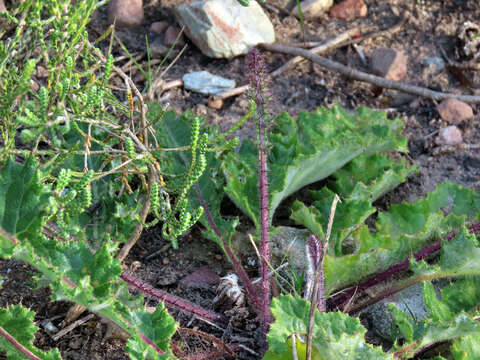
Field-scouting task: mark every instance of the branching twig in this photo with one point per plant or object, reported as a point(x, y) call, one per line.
point(372, 79)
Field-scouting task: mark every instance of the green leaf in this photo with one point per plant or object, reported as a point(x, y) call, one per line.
point(466, 348)
point(308, 150)
point(18, 322)
point(335, 335)
point(402, 231)
point(22, 200)
point(158, 327)
point(175, 132)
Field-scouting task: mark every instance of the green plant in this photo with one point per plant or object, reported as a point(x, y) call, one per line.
point(90, 173)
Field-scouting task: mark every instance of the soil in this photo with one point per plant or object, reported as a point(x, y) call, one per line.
point(432, 24)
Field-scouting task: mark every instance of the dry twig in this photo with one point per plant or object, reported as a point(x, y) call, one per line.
point(372, 79)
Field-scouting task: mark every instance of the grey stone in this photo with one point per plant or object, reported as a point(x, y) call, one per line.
point(224, 28)
point(313, 8)
point(409, 300)
point(206, 83)
point(435, 64)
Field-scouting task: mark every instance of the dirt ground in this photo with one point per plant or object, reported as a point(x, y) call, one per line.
point(432, 24)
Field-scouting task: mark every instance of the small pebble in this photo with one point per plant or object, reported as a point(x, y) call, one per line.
point(450, 135)
point(349, 10)
point(165, 261)
point(389, 63)
point(125, 13)
point(454, 111)
point(215, 103)
point(158, 27)
point(171, 35)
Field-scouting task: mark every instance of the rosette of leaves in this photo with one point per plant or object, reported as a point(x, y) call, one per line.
point(73, 271)
point(306, 150)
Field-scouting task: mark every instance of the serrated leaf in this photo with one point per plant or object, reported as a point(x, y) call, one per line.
point(369, 177)
point(308, 150)
point(158, 327)
point(403, 230)
point(335, 335)
point(18, 322)
point(22, 200)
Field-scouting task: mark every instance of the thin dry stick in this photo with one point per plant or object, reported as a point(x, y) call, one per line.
point(320, 49)
point(318, 274)
point(135, 235)
point(72, 326)
point(372, 79)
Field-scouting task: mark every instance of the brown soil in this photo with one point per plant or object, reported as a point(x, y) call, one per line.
point(432, 24)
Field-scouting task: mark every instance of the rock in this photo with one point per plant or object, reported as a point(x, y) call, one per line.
point(202, 278)
point(171, 35)
point(313, 8)
point(349, 10)
point(206, 83)
point(3, 8)
point(157, 49)
point(434, 64)
point(454, 111)
point(409, 300)
point(159, 27)
point(450, 135)
point(125, 13)
point(215, 103)
point(389, 63)
point(224, 28)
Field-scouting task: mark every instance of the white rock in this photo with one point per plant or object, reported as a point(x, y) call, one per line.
point(206, 83)
point(313, 8)
point(224, 28)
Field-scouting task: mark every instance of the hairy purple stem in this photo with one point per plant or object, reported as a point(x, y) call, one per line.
point(172, 300)
point(19, 346)
point(345, 296)
point(257, 78)
point(236, 264)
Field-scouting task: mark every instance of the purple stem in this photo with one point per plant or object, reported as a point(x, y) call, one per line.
point(19, 346)
point(257, 77)
point(342, 298)
point(173, 300)
point(236, 264)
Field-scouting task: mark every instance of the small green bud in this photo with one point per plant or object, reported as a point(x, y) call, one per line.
point(27, 136)
point(130, 148)
point(85, 180)
point(108, 68)
point(63, 179)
